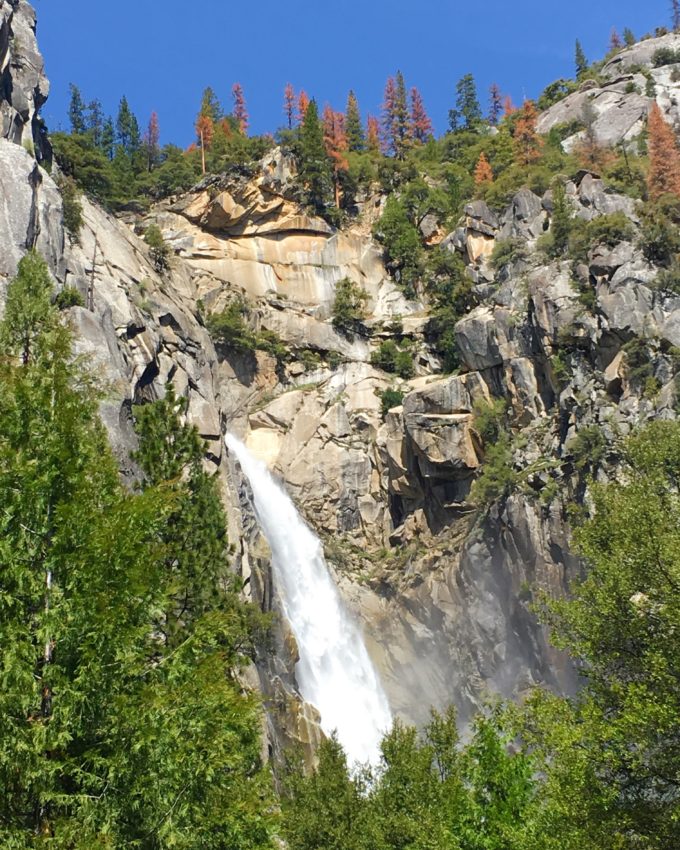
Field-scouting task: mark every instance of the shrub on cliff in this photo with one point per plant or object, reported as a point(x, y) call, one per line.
point(349, 307)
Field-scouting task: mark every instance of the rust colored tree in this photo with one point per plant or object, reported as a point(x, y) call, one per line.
point(335, 142)
point(302, 106)
point(615, 42)
point(527, 142)
point(483, 173)
point(152, 137)
point(205, 130)
point(495, 105)
point(373, 134)
point(421, 126)
point(289, 104)
point(663, 177)
point(240, 111)
point(508, 106)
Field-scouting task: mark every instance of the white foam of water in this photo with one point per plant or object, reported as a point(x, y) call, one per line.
point(335, 672)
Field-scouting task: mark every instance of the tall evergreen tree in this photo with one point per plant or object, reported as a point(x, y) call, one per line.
point(628, 37)
point(468, 114)
point(495, 105)
point(109, 735)
point(240, 110)
point(210, 106)
point(315, 168)
point(152, 136)
point(108, 142)
point(353, 126)
point(395, 121)
point(95, 122)
point(580, 61)
point(675, 15)
point(127, 129)
point(76, 110)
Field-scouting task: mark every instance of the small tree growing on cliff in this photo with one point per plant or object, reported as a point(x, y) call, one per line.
point(349, 307)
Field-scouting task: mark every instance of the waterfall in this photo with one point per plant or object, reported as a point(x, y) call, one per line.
point(335, 672)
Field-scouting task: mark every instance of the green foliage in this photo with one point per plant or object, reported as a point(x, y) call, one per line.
point(451, 292)
point(313, 161)
point(468, 114)
point(554, 93)
point(611, 756)
point(69, 297)
point(72, 206)
point(498, 476)
point(608, 230)
point(638, 362)
point(507, 252)
point(665, 56)
point(390, 398)
point(349, 307)
point(430, 793)
point(230, 329)
point(158, 249)
point(588, 448)
point(401, 241)
point(108, 737)
point(394, 357)
point(660, 230)
point(580, 61)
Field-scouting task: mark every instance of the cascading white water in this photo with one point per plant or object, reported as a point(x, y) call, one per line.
point(335, 672)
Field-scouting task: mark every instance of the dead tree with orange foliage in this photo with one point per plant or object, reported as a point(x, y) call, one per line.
point(205, 130)
point(335, 142)
point(527, 142)
point(302, 106)
point(373, 134)
point(483, 172)
point(289, 104)
point(240, 111)
point(663, 177)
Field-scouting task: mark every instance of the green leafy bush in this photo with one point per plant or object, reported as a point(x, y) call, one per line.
point(401, 242)
point(395, 358)
point(507, 251)
point(588, 447)
point(390, 398)
point(665, 56)
point(609, 230)
point(349, 307)
point(69, 297)
point(229, 327)
point(158, 249)
point(72, 206)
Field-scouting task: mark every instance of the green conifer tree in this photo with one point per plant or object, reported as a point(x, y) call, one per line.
point(76, 110)
point(468, 114)
point(353, 127)
point(315, 167)
point(580, 61)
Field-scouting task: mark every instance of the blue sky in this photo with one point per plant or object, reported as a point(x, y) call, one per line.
point(162, 53)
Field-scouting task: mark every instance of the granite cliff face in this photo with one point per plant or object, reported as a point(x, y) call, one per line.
point(442, 587)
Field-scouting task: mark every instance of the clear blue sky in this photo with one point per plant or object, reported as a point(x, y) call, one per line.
point(162, 53)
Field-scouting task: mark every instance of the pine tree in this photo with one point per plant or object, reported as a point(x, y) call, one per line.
point(483, 173)
point(353, 127)
point(335, 141)
point(508, 107)
point(240, 111)
point(628, 37)
point(560, 221)
point(315, 170)
point(675, 15)
point(108, 138)
point(127, 129)
point(421, 126)
point(211, 106)
point(395, 120)
point(76, 110)
point(289, 104)
point(495, 105)
point(302, 105)
point(104, 726)
point(664, 157)
point(580, 61)
point(152, 141)
point(94, 122)
point(615, 42)
point(467, 115)
point(373, 134)
point(526, 140)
